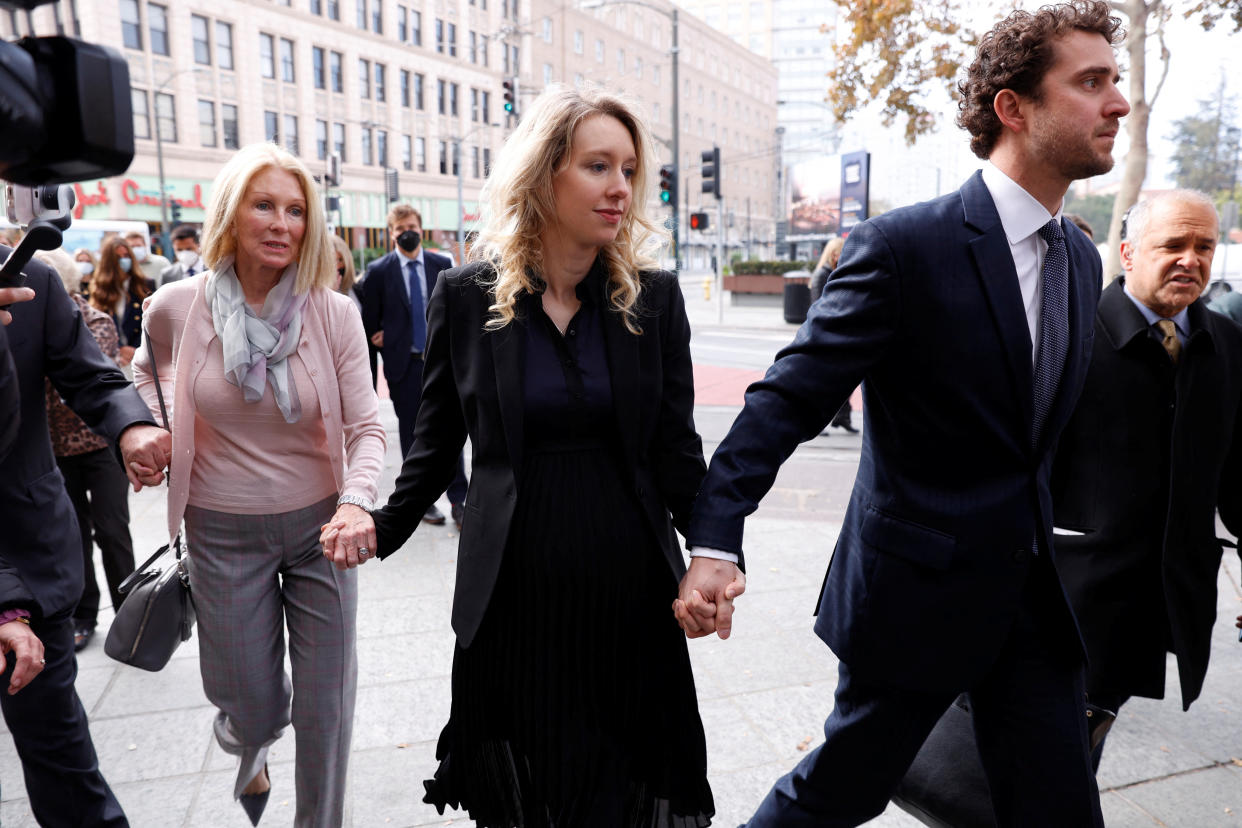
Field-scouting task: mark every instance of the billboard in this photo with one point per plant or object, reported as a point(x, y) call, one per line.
point(828, 196)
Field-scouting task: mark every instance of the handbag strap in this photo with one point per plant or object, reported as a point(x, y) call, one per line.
point(159, 393)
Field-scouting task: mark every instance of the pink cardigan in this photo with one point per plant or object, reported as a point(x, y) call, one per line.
point(179, 331)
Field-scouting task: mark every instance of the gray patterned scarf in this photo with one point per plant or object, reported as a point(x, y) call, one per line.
point(255, 346)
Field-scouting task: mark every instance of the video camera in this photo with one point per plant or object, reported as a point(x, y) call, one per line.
point(65, 115)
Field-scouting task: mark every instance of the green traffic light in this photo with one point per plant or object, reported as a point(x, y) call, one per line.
point(508, 106)
point(665, 196)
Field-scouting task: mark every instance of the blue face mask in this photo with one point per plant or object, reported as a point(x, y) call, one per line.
point(125, 263)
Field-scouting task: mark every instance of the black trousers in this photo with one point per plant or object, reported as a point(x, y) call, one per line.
point(406, 396)
point(49, 729)
point(100, 493)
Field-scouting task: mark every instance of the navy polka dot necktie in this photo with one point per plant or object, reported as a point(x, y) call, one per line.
point(1053, 326)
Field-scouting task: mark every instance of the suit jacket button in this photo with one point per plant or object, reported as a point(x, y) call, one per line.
point(1021, 554)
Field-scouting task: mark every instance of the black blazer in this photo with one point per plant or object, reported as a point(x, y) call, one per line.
point(924, 309)
point(130, 323)
point(40, 548)
point(386, 306)
point(1145, 461)
point(473, 384)
point(10, 397)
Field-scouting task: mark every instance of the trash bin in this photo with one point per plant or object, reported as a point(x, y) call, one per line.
point(797, 295)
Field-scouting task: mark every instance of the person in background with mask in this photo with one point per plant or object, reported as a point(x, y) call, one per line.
point(118, 289)
point(151, 265)
point(394, 313)
point(185, 248)
point(87, 262)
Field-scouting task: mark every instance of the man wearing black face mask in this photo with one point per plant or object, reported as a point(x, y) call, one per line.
point(394, 312)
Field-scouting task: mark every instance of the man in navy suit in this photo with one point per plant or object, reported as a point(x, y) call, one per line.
point(968, 320)
point(41, 549)
point(394, 313)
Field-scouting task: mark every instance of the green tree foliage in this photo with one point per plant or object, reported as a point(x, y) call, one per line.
point(1096, 209)
point(1206, 147)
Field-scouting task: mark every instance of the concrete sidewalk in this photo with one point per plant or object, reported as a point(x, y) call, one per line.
point(763, 697)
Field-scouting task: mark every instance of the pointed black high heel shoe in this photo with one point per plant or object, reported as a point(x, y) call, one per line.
point(254, 803)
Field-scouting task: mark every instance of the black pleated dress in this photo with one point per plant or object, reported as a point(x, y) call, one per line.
point(575, 704)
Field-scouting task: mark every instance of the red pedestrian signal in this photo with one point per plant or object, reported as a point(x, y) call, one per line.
point(698, 221)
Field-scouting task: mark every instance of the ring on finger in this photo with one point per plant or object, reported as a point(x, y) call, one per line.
point(363, 552)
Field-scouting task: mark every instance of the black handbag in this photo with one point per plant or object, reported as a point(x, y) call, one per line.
point(158, 611)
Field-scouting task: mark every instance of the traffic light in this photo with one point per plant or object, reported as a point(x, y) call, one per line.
point(175, 211)
point(711, 171)
point(698, 221)
point(510, 87)
point(668, 184)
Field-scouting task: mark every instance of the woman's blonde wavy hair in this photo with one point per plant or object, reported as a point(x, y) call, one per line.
point(518, 202)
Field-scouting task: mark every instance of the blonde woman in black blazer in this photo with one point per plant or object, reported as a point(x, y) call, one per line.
point(564, 355)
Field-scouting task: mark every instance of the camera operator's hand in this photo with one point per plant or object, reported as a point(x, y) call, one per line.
point(18, 638)
point(9, 296)
point(146, 451)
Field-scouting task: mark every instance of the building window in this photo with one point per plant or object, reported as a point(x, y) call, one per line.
point(420, 83)
point(335, 73)
point(487, 103)
point(483, 49)
point(271, 127)
point(474, 105)
point(364, 78)
point(547, 74)
point(199, 27)
point(599, 51)
point(453, 88)
point(228, 125)
point(416, 28)
point(321, 140)
point(474, 47)
point(439, 36)
point(334, 9)
point(474, 161)
point(377, 17)
point(291, 133)
point(316, 7)
point(452, 40)
point(142, 119)
point(361, 19)
point(403, 23)
point(381, 147)
point(547, 30)
point(224, 45)
point(131, 25)
point(367, 157)
point(157, 25)
point(620, 61)
point(578, 41)
point(443, 158)
point(405, 88)
point(407, 153)
point(338, 141)
point(318, 71)
point(381, 86)
point(267, 60)
point(638, 68)
point(166, 117)
point(207, 123)
point(442, 96)
point(286, 60)
point(420, 154)
point(487, 162)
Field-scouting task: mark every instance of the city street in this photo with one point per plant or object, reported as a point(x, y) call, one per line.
point(763, 694)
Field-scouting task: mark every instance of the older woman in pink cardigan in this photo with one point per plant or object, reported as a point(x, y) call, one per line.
point(275, 431)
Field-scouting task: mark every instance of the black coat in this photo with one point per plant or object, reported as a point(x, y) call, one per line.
point(1148, 456)
point(40, 548)
point(473, 384)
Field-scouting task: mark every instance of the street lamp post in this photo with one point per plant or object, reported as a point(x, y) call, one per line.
point(461, 203)
point(676, 142)
point(159, 158)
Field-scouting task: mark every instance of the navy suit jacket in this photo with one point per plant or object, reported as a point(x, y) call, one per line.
point(386, 306)
point(40, 548)
point(924, 309)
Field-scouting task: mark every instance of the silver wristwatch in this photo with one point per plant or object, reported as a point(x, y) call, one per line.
point(356, 500)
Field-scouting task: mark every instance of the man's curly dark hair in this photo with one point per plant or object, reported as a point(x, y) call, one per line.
point(1016, 54)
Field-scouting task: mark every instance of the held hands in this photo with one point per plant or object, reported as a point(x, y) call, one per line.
point(146, 451)
point(348, 539)
point(704, 604)
point(18, 638)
